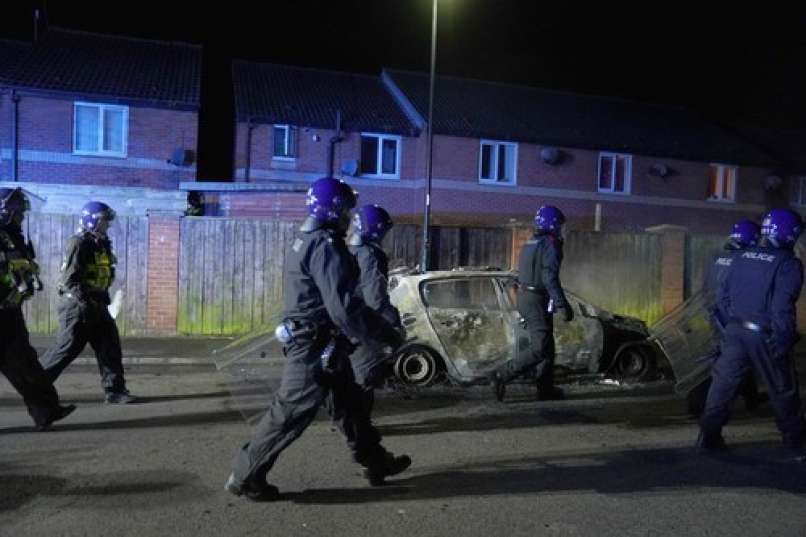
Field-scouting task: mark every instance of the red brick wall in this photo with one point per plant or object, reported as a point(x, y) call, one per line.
point(163, 274)
point(456, 159)
point(46, 125)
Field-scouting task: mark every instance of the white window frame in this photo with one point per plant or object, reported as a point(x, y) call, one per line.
point(722, 170)
point(494, 162)
point(399, 149)
point(627, 174)
point(801, 182)
point(289, 131)
point(101, 108)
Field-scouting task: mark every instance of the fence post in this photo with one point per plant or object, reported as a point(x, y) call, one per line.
point(673, 265)
point(163, 274)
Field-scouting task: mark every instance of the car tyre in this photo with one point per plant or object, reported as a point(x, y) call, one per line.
point(636, 362)
point(417, 366)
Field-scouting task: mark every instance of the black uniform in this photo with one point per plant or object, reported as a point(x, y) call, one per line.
point(17, 358)
point(373, 284)
point(539, 279)
point(758, 299)
point(320, 303)
point(715, 278)
point(88, 269)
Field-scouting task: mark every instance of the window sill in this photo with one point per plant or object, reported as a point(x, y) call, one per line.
point(720, 200)
point(383, 177)
point(284, 159)
point(613, 193)
point(487, 182)
point(104, 155)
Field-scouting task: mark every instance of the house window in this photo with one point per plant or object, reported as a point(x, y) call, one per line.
point(615, 173)
point(798, 186)
point(498, 162)
point(380, 156)
point(285, 142)
point(100, 129)
point(722, 183)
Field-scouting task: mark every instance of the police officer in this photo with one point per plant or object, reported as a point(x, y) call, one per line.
point(370, 225)
point(19, 279)
point(744, 234)
point(758, 298)
point(322, 310)
point(88, 269)
point(540, 298)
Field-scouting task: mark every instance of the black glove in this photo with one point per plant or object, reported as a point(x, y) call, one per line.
point(565, 313)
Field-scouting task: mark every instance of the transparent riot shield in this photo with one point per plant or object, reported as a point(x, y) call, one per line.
point(252, 366)
point(688, 340)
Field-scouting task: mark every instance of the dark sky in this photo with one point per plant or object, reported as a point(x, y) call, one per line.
point(732, 62)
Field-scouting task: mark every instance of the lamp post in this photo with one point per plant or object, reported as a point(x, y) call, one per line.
point(426, 253)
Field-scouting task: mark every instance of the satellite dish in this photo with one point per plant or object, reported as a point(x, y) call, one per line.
point(659, 170)
point(773, 182)
point(551, 155)
point(350, 167)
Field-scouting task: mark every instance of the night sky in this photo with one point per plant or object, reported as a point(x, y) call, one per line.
point(731, 62)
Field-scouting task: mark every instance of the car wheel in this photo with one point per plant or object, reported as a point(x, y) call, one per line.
point(635, 362)
point(417, 366)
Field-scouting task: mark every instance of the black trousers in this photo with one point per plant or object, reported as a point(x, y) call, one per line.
point(540, 325)
point(303, 390)
point(81, 323)
point(19, 365)
point(743, 350)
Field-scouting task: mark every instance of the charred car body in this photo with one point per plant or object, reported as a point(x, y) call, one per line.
point(463, 323)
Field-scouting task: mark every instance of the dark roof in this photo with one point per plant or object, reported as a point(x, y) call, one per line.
point(123, 68)
point(270, 93)
point(788, 146)
point(11, 52)
point(479, 109)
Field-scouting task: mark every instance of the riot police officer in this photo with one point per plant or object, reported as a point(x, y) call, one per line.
point(322, 314)
point(19, 279)
point(88, 270)
point(758, 299)
point(371, 223)
point(540, 297)
point(744, 234)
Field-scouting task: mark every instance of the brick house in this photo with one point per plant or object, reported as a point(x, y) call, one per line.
point(500, 151)
point(83, 108)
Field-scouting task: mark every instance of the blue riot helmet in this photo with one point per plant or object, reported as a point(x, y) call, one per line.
point(549, 219)
point(745, 234)
point(12, 202)
point(782, 227)
point(329, 201)
point(372, 222)
point(93, 212)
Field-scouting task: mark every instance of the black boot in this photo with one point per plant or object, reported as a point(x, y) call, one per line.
point(60, 413)
point(550, 393)
point(711, 443)
point(252, 491)
point(378, 470)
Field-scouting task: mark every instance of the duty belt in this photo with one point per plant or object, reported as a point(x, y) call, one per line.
point(533, 289)
point(753, 327)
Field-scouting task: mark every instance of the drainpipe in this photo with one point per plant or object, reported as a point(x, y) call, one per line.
point(15, 99)
point(249, 128)
point(331, 153)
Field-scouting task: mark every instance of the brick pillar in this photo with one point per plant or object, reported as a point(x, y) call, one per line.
point(673, 265)
point(163, 274)
point(519, 236)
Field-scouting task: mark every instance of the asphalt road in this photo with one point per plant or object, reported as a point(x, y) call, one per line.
point(607, 461)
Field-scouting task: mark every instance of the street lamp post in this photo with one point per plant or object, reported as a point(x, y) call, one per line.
point(426, 253)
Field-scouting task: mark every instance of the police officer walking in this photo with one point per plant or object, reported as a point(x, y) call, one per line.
point(19, 279)
point(745, 234)
point(322, 310)
point(540, 298)
point(88, 270)
point(758, 299)
point(370, 225)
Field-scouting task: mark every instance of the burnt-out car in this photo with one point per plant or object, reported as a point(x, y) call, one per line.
point(463, 323)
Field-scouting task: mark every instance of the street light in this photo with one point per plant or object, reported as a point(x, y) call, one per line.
point(426, 254)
